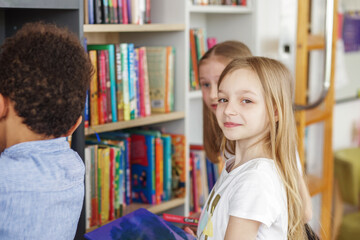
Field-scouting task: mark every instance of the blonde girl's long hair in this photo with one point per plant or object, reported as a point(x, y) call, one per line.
point(212, 134)
point(277, 84)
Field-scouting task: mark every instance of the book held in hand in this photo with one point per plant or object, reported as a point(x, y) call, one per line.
point(139, 225)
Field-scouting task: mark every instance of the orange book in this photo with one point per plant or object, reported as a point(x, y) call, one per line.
point(159, 169)
point(94, 115)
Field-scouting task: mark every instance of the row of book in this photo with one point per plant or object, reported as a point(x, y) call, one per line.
point(220, 2)
point(117, 11)
point(129, 82)
point(199, 44)
point(203, 175)
point(142, 166)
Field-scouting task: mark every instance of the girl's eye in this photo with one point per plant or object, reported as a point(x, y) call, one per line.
point(222, 100)
point(205, 85)
point(246, 101)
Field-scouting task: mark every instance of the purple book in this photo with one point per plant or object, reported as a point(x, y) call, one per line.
point(139, 225)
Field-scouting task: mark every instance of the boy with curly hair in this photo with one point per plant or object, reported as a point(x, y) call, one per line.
point(44, 74)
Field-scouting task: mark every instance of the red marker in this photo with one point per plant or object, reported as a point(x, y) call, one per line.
point(180, 219)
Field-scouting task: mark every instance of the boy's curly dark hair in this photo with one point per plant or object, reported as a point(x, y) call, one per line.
point(45, 72)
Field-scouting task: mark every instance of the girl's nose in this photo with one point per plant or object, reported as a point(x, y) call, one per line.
point(230, 109)
point(213, 93)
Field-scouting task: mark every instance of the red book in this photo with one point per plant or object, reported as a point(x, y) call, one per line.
point(108, 91)
point(102, 87)
point(111, 185)
point(141, 82)
point(124, 12)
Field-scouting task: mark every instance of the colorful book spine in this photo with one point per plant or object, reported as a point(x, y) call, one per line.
point(102, 104)
point(137, 83)
point(91, 11)
point(119, 11)
point(94, 114)
point(87, 153)
point(119, 84)
point(132, 80)
point(125, 77)
point(112, 156)
point(167, 167)
point(125, 12)
point(194, 58)
point(108, 88)
point(178, 165)
point(159, 170)
point(87, 110)
point(143, 168)
point(147, 101)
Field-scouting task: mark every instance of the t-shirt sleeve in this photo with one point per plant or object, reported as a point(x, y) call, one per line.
point(257, 197)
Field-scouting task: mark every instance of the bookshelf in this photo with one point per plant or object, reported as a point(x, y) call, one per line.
point(167, 29)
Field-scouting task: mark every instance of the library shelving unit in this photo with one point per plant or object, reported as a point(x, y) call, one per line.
point(167, 28)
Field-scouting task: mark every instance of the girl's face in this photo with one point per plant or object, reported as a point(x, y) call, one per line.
point(241, 111)
point(209, 72)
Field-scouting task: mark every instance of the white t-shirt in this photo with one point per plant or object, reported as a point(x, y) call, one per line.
point(255, 191)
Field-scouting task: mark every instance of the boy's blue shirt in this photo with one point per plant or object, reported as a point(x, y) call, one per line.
point(41, 190)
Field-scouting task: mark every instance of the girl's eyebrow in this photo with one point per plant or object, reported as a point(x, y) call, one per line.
point(240, 92)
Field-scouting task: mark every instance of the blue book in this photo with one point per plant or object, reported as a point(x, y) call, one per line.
point(210, 174)
point(167, 166)
point(143, 168)
point(132, 80)
point(86, 110)
point(139, 225)
point(111, 49)
point(91, 11)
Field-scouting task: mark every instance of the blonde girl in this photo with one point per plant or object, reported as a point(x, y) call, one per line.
point(257, 194)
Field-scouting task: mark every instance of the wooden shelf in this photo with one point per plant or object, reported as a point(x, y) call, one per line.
point(315, 184)
point(156, 209)
point(315, 42)
point(316, 115)
point(154, 118)
point(219, 9)
point(102, 28)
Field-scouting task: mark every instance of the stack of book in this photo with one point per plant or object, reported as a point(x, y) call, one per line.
point(129, 82)
point(203, 175)
point(117, 11)
point(199, 44)
point(143, 166)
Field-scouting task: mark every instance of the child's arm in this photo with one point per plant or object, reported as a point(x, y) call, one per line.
point(241, 229)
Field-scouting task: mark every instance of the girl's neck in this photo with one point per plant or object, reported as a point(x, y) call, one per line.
point(246, 152)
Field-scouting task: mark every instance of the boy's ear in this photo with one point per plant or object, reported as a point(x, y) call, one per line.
point(74, 127)
point(3, 106)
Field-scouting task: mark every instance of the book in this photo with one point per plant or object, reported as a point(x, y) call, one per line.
point(111, 66)
point(139, 225)
point(125, 12)
point(120, 11)
point(143, 168)
point(98, 12)
point(132, 80)
point(108, 88)
point(158, 80)
point(167, 166)
point(125, 79)
point(102, 104)
point(88, 172)
point(178, 165)
point(119, 83)
point(194, 60)
point(93, 96)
